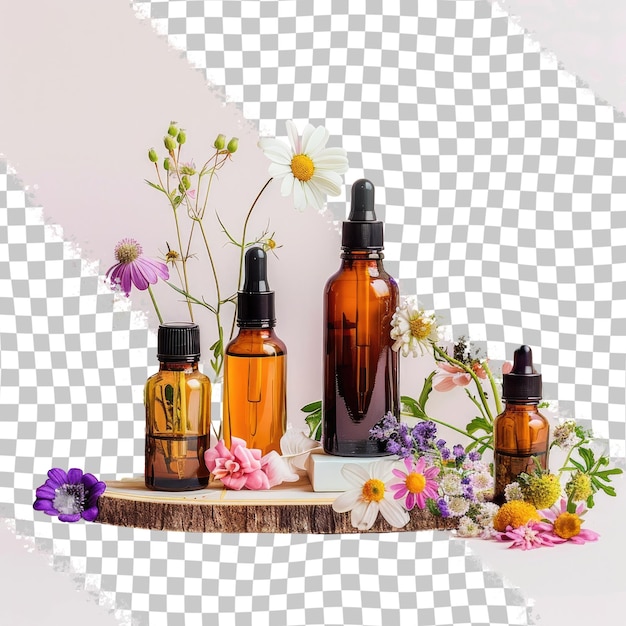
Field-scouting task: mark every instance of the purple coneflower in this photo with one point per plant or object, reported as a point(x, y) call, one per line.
point(416, 484)
point(133, 269)
point(71, 496)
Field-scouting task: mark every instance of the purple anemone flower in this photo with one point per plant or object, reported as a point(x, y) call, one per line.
point(71, 496)
point(133, 269)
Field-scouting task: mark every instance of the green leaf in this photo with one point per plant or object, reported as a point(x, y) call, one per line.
point(413, 406)
point(314, 419)
point(604, 474)
point(590, 502)
point(577, 465)
point(313, 406)
point(587, 456)
point(479, 423)
point(426, 390)
point(431, 505)
point(155, 186)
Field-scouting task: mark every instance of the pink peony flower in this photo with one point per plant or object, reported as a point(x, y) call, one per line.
point(450, 376)
point(242, 467)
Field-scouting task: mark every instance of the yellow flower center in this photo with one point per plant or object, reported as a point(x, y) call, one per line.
point(415, 482)
point(420, 327)
point(373, 490)
point(567, 525)
point(302, 167)
point(171, 256)
point(271, 244)
point(127, 251)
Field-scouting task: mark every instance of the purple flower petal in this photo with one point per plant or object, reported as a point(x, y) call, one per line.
point(58, 476)
point(90, 514)
point(160, 269)
point(89, 480)
point(137, 277)
point(74, 476)
point(125, 277)
point(42, 504)
point(45, 491)
point(74, 517)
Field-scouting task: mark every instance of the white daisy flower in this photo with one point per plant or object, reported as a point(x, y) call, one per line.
point(308, 169)
point(485, 514)
point(370, 495)
point(412, 328)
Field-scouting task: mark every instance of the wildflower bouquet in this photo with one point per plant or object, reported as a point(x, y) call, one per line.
point(306, 169)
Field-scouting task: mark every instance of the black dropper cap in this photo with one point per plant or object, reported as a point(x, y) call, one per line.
point(255, 302)
point(362, 231)
point(178, 342)
point(523, 382)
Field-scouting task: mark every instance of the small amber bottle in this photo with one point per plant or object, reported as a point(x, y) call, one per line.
point(178, 412)
point(521, 433)
point(255, 365)
point(360, 367)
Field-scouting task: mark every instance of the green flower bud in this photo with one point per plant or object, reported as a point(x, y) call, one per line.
point(182, 137)
point(152, 155)
point(186, 182)
point(233, 144)
point(220, 142)
point(172, 131)
point(170, 144)
point(166, 164)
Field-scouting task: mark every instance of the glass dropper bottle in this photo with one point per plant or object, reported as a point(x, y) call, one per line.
point(521, 433)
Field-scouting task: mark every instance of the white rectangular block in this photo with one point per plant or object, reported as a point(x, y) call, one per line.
point(324, 470)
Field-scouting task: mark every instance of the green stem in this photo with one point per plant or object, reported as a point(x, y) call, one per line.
point(567, 458)
point(156, 306)
point(470, 371)
point(242, 250)
point(458, 430)
point(494, 388)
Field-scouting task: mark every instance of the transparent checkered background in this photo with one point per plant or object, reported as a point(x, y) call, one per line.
point(500, 179)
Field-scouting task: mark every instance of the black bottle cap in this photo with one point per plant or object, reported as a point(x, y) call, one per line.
point(255, 302)
point(178, 342)
point(362, 231)
point(523, 382)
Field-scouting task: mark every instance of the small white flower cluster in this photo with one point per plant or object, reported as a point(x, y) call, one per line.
point(466, 486)
point(565, 435)
point(479, 521)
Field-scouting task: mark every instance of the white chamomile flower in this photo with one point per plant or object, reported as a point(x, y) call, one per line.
point(369, 495)
point(458, 506)
point(412, 328)
point(308, 169)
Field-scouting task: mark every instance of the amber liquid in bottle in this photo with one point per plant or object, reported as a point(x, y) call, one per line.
point(255, 374)
point(520, 436)
point(178, 409)
point(360, 368)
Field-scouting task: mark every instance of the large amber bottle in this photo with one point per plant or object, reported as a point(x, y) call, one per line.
point(255, 365)
point(178, 412)
point(360, 368)
point(521, 433)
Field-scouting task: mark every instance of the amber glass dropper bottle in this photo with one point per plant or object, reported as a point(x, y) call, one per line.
point(521, 433)
point(360, 368)
point(178, 412)
point(255, 365)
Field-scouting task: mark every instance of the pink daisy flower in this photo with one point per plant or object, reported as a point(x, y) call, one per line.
point(133, 269)
point(450, 376)
point(563, 526)
point(416, 484)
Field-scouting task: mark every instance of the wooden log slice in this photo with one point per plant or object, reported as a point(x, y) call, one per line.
point(291, 508)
